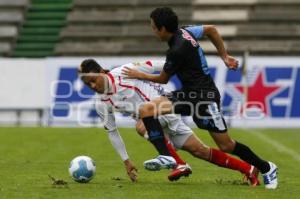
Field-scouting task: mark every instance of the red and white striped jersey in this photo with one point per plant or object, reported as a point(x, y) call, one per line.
point(126, 95)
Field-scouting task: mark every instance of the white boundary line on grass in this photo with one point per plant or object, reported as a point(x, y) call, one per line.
point(277, 145)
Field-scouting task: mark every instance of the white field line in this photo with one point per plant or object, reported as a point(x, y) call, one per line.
point(277, 145)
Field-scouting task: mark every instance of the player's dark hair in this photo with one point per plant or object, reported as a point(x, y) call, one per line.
point(166, 17)
point(91, 66)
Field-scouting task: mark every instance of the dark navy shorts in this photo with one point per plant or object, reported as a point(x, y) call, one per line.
point(203, 106)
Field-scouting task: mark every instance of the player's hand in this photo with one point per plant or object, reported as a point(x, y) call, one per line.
point(131, 73)
point(131, 170)
point(231, 62)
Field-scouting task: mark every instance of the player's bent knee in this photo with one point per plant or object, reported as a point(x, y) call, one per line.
point(199, 152)
point(140, 132)
point(202, 153)
point(228, 148)
point(146, 110)
point(140, 128)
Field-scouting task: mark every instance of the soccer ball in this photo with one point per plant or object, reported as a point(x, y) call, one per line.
point(82, 169)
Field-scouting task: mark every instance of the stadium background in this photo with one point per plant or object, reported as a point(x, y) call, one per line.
point(42, 42)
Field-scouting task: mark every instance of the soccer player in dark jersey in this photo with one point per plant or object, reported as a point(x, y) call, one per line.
point(199, 96)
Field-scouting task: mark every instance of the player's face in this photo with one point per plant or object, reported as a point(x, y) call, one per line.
point(92, 81)
point(161, 34)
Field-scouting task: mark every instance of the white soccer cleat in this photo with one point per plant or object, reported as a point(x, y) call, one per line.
point(270, 178)
point(160, 162)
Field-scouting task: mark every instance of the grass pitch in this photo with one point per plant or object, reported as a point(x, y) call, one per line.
point(28, 155)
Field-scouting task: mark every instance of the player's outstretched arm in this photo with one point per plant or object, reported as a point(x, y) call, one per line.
point(106, 115)
point(162, 78)
point(118, 144)
point(212, 33)
point(149, 66)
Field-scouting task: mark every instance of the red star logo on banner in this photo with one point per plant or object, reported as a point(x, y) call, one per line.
point(258, 92)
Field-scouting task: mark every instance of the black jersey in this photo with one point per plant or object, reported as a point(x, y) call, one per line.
point(186, 59)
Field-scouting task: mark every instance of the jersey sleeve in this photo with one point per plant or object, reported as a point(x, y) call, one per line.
point(197, 31)
point(106, 115)
point(156, 64)
point(150, 66)
point(118, 144)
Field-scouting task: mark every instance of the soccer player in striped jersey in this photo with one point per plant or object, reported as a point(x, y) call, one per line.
point(126, 96)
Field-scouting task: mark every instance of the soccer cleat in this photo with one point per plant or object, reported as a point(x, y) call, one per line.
point(161, 162)
point(252, 177)
point(270, 178)
point(179, 171)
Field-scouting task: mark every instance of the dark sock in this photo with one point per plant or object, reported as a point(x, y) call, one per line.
point(246, 154)
point(156, 135)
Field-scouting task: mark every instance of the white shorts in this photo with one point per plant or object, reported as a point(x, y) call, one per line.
point(175, 129)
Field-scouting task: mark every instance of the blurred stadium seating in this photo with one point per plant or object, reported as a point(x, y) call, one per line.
point(114, 27)
point(40, 31)
point(121, 27)
point(11, 18)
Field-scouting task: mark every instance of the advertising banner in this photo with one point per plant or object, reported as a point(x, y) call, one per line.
point(264, 92)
